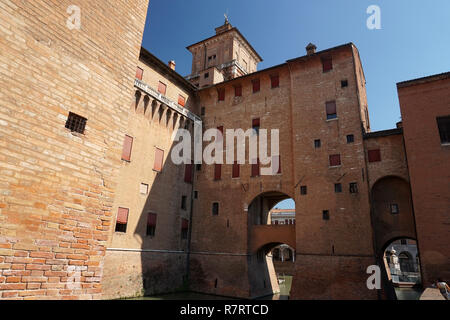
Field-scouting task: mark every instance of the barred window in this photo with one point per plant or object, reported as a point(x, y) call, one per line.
point(76, 123)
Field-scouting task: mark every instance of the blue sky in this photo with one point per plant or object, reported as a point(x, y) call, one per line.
point(414, 40)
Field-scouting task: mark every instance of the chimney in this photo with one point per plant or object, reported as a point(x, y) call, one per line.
point(172, 64)
point(310, 49)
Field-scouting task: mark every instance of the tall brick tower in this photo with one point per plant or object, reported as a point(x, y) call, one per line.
point(224, 56)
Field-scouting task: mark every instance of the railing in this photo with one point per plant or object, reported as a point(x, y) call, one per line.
point(163, 99)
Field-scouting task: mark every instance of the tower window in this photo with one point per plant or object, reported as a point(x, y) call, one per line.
point(159, 157)
point(303, 190)
point(215, 209)
point(335, 160)
point(162, 88)
point(337, 188)
point(275, 81)
point(221, 93)
point(183, 202)
point(256, 85)
point(326, 215)
point(344, 83)
point(206, 75)
point(184, 228)
point(317, 143)
point(236, 169)
point(353, 187)
point(76, 123)
point(255, 125)
point(127, 146)
point(350, 138)
point(202, 111)
point(217, 171)
point(139, 73)
point(238, 91)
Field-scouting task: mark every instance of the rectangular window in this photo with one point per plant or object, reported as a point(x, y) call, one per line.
point(184, 228)
point(206, 75)
point(255, 125)
point(326, 215)
point(139, 73)
point(353, 187)
point(337, 188)
point(327, 64)
point(221, 93)
point(122, 220)
point(202, 111)
point(444, 129)
point(394, 208)
point(344, 83)
point(143, 188)
point(162, 88)
point(195, 194)
point(181, 100)
point(335, 160)
point(215, 209)
point(238, 91)
point(151, 224)
point(303, 190)
point(127, 146)
point(159, 158)
point(255, 168)
point(76, 123)
point(331, 110)
point(236, 170)
point(317, 143)
point(275, 81)
point(217, 171)
point(374, 155)
point(256, 85)
point(183, 202)
point(188, 173)
point(198, 167)
point(350, 138)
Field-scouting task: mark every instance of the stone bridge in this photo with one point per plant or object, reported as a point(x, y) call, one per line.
point(263, 235)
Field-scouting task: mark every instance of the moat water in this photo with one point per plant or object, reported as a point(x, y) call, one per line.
point(285, 288)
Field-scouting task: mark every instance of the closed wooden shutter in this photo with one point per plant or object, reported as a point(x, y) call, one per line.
point(256, 85)
point(151, 219)
point(184, 224)
point(181, 100)
point(221, 93)
point(236, 170)
point(374, 155)
point(331, 107)
point(139, 73)
point(335, 160)
point(255, 169)
point(238, 91)
point(188, 173)
point(122, 215)
point(127, 146)
point(327, 64)
point(217, 171)
point(275, 81)
point(159, 158)
point(162, 88)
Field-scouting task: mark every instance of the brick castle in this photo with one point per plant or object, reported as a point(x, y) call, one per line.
point(92, 207)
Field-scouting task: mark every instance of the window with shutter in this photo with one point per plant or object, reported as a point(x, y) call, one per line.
point(256, 85)
point(238, 91)
point(374, 155)
point(122, 220)
point(335, 160)
point(181, 100)
point(255, 169)
point(236, 170)
point(162, 88)
point(127, 146)
point(221, 93)
point(184, 228)
point(159, 158)
point(275, 81)
point(151, 224)
point(217, 171)
point(139, 73)
point(331, 110)
point(188, 173)
point(327, 64)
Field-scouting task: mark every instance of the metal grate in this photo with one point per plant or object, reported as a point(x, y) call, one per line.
point(76, 123)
